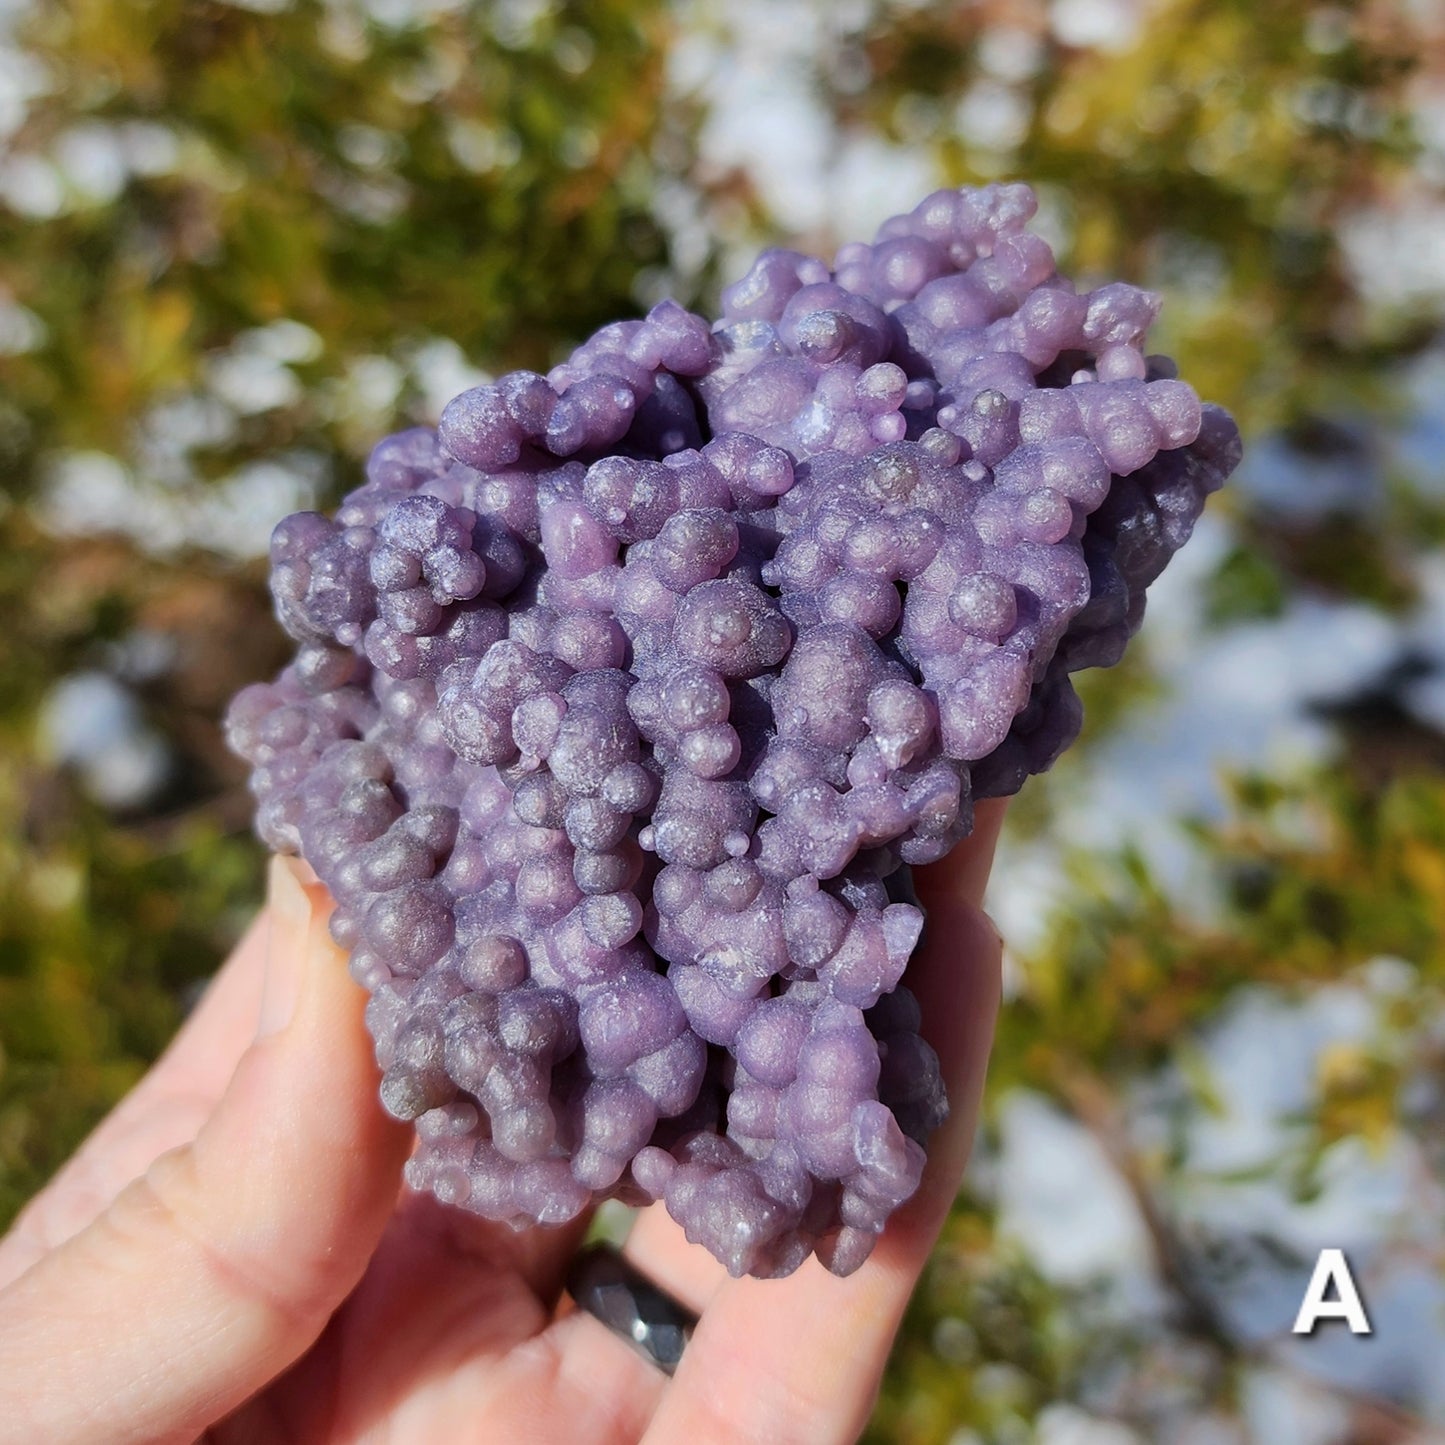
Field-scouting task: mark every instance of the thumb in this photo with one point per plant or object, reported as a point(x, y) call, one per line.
point(219, 1266)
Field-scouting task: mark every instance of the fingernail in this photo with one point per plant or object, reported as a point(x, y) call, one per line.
point(987, 828)
point(994, 929)
point(289, 907)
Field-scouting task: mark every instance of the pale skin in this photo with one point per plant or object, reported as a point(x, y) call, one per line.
point(232, 1256)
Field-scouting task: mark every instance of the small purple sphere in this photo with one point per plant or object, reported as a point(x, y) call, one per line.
point(624, 702)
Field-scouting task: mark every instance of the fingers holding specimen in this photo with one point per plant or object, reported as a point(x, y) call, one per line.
point(801, 1358)
point(166, 1109)
point(224, 1260)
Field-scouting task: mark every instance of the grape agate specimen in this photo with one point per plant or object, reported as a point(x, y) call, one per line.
point(624, 701)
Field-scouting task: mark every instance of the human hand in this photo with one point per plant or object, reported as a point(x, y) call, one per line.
point(231, 1254)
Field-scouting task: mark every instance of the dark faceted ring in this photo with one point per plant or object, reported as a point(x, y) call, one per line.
point(604, 1284)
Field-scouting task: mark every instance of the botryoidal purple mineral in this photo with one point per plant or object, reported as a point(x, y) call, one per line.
point(625, 700)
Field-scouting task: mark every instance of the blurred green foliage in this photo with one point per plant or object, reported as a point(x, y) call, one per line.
point(375, 183)
point(1316, 878)
point(184, 177)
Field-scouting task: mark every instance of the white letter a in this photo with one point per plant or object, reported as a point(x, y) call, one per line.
point(1332, 1268)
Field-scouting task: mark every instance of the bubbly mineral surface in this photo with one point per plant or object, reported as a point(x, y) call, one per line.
point(624, 701)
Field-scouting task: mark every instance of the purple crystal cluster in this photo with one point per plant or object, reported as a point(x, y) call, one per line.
point(624, 701)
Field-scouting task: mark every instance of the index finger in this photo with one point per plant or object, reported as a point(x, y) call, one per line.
point(801, 1358)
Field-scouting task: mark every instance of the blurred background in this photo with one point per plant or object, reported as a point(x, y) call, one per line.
point(239, 242)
